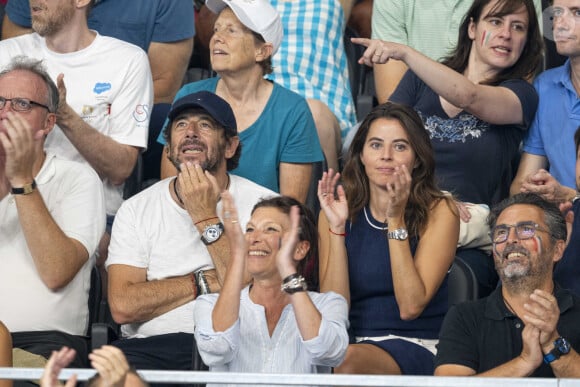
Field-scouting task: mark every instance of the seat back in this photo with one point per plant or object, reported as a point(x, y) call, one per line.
point(361, 76)
point(462, 283)
point(102, 328)
point(135, 179)
point(312, 196)
point(95, 295)
point(353, 53)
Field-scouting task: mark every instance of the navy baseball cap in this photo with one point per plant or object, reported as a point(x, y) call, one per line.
point(217, 108)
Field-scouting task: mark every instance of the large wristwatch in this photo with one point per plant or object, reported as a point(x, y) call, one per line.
point(399, 234)
point(212, 233)
point(202, 286)
point(561, 347)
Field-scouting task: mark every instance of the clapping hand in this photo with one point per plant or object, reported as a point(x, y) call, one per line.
point(544, 184)
point(57, 361)
point(398, 192)
point(111, 364)
point(285, 258)
point(232, 226)
point(19, 141)
point(335, 208)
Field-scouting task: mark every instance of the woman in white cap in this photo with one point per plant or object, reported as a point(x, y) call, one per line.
point(275, 125)
point(274, 325)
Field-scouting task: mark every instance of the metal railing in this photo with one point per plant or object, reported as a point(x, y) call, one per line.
point(242, 379)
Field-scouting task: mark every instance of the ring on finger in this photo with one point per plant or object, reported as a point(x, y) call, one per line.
point(234, 221)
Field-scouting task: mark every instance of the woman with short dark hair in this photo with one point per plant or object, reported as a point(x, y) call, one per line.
point(275, 324)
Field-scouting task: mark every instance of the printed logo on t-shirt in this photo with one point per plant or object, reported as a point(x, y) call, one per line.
point(141, 113)
point(101, 87)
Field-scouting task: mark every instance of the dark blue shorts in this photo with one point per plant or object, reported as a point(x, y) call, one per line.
point(412, 358)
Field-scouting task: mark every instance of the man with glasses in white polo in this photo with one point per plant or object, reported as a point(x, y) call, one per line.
point(52, 216)
point(529, 325)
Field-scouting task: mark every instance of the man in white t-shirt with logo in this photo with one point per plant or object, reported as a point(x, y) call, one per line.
point(105, 89)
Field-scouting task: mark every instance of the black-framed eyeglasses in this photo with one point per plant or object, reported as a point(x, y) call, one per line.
point(20, 104)
point(524, 230)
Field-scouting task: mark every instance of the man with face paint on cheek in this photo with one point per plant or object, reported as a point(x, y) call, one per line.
point(529, 325)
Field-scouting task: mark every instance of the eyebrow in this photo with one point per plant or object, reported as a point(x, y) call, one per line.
point(501, 15)
point(395, 140)
point(268, 223)
point(202, 116)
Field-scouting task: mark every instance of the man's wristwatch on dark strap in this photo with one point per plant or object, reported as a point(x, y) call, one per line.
point(25, 189)
point(561, 347)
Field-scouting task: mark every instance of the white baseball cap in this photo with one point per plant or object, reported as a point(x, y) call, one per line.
point(257, 15)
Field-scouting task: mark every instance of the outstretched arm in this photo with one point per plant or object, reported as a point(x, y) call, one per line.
point(493, 104)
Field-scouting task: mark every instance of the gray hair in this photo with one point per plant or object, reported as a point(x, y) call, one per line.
point(553, 217)
point(35, 66)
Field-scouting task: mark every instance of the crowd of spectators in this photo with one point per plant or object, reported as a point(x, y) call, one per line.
point(471, 151)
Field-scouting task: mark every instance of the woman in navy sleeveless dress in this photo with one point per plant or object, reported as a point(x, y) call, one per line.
point(388, 239)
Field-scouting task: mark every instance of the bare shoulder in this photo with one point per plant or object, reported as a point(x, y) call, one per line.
point(445, 208)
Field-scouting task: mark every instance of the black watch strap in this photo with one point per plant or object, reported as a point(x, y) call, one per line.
point(25, 189)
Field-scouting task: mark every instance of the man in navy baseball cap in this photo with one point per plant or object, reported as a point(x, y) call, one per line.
point(217, 107)
point(168, 245)
point(210, 110)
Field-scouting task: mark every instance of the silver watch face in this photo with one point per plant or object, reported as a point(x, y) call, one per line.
point(212, 233)
point(399, 234)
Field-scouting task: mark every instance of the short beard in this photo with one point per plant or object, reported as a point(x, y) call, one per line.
point(524, 280)
point(211, 165)
point(53, 25)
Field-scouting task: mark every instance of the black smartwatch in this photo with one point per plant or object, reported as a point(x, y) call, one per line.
point(212, 233)
point(561, 347)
